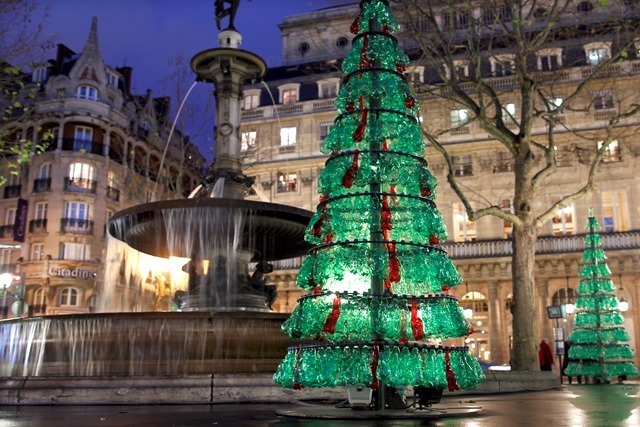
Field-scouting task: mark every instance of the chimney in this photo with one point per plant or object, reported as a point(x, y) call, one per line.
point(126, 75)
point(63, 53)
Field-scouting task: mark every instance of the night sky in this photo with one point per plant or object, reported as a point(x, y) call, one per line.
point(145, 34)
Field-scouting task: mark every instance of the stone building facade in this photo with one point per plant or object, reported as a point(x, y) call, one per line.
point(103, 154)
point(282, 128)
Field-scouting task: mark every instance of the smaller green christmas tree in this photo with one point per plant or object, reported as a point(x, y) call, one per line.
point(595, 343)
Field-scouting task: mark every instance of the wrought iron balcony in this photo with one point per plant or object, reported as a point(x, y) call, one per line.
point(42, 185)
point(12, 191)
point(82, 145)
point(38, 226)
point(6, 231)
point(80, 185)
point(76, 226)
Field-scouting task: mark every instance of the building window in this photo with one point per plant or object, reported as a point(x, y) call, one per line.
point(250, 101)
point(415, 74)
point(597, 52)
point(288, 136)
point(87, 92)
point(151, 196)
point(612, 152)
point(456, 20)
point(501, 14)
point(6, 258)
point(40, 74)
point(342, 42)
point(37, 251)
point(563, 221)
point(325, 128)
point(603, 99)
point(303, 48)
point(77, 218)
point(422, 23)
point(548, 63)
point(509, 112)
point(112, 79)
point(504, 162)
point(69, 297)
point(39, 301)
point(328, 88)
point(287, 182)
point(585, 6)
point(83, 139)
point(81, 178)
point(506, 205)
point(44, 171)
point(459, 117)
point(462, 165)
point(75, 251)
point(248, 140)
point(10, 216)
point(41, 210)
point(564, 296)
point(465, 230)
point(289, 96)
point(615, 211)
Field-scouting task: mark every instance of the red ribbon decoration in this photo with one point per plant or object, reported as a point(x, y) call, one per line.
point(332, 319)
point(434, 240)
point(374, 366)
point(355, 26)
point(385, 217)
point(358, 135)
point(409, 101)
point(452, 383)
point(365, 62)
point(401, 68)
point(394, 263)
point(316, 231)
point(417, 327)
point(350, 174)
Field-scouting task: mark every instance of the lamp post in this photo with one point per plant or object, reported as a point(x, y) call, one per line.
point(623, 305)
point(5, 281)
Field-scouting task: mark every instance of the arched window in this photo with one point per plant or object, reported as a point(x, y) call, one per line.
point(564, 296)
point(87, 92)
point(39, 302)
point(69, 297)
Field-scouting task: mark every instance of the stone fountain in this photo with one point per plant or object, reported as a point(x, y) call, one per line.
point(225, 326)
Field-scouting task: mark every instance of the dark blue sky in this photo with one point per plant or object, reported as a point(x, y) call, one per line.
point(145, 34)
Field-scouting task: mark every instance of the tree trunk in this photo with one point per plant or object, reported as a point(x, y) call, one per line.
point(524, 356)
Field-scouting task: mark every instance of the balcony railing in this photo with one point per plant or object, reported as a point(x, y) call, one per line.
point(38, 226)
point(76, 226)
point(81, 145)
point(545, 245)
point(12, 191)
point(113, 194)
point(80, 185)
point(6, 231)
point(42, 185)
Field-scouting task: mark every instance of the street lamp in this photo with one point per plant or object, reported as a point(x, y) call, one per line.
point(623, 305)
point(569, 307)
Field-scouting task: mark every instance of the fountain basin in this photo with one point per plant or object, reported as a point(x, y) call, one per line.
point(142, 344)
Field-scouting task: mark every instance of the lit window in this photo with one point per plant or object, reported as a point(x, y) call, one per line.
point(37, 252)
point(288, 136)
point(81, 175)
point(40, 74)
point(615, 211)
point(248, 140)
point(75, 251)
point(509, 111)
point(459, 117)
point(10, 216)
point(87, 92)
point(289, 96)
point(612, 152)
point(287, 182)
point(68, 297)
point(465, 230)
point(553, 104)
point(563, 221)
point(506, 205)
point(250, 101)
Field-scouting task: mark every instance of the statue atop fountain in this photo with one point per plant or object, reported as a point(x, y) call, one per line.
point(221, 12)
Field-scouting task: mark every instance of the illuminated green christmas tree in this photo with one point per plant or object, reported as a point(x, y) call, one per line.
point(595, 343)
point(377, 310)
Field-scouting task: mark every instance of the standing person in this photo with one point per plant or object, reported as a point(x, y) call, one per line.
point(565, 362)
point(545, 356)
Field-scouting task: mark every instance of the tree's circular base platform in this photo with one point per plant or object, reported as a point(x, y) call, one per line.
point(332, 413)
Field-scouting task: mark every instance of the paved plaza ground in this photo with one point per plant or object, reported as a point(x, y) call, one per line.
point(609, 405)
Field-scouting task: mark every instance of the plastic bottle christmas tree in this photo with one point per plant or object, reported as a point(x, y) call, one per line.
point(595, 343)
point(376, 277)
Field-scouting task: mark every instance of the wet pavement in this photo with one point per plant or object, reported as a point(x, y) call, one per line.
point(608, 405)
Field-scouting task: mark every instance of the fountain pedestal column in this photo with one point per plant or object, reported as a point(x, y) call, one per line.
point(228, 67)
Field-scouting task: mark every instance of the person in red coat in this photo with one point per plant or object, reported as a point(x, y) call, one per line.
point(545, 356)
